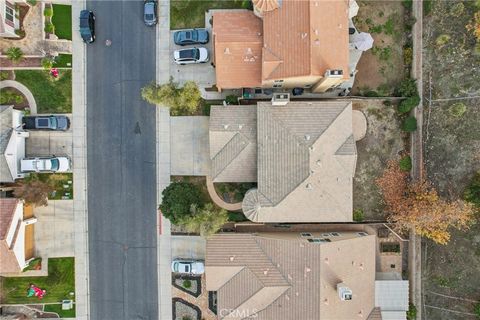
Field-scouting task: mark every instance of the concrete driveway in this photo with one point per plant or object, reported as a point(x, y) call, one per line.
point(189, 146)
point(54, 230)
point(47, 143)
point(203, 73)
point(188, 247)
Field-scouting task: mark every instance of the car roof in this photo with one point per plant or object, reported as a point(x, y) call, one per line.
point(187, 53)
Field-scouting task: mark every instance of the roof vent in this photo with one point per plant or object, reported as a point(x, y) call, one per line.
point(319, 163)
point(317, 42)
point(307, 137)
point(344, 292)
point(309, 186)
point(225, 126)
point(232, 258)
point(265, 272)
point(311, 148)
point(325, 301)
point(226, 51)
point(304, 35)
point(240, 126)
point(280, 99)
point(249, 51)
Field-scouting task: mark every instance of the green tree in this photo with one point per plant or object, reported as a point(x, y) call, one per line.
point(205, 221)
point(409, 124)
point(48, 12)
point(34, 192)
point(358, 215)
point(407, 88)
point(472, 192)
point(181, 101)
point(405, 163)
point(457, 109)
point(15, 54)
point(408, 104)
point(178, 199)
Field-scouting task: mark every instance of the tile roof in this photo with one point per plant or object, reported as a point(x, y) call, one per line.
point(7, 211)
point(292, 279)
point(238, 49)
point(233, 138)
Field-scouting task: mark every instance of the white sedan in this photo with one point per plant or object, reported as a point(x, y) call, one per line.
point(45, 164)
point(191, 55)
point(188, 266)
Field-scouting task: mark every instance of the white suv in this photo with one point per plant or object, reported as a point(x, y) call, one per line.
point(45, 164)
point(191, 55)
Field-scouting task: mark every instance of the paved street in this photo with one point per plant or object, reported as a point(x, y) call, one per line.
point(121, 145)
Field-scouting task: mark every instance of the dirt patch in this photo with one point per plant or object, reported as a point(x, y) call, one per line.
point(382, 67)
point(382, 142)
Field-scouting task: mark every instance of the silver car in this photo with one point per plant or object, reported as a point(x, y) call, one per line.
point(188, 266)
point(191, 55)
point(45, 164)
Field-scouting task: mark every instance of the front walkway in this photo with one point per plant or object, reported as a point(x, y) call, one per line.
point(219, 201)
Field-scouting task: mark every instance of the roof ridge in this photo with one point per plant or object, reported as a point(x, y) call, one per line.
point(221, 152)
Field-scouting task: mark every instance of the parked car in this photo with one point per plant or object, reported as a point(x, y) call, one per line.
point(191, 55)
point(45, 164)
point(57, 123)
point(190, 36)
point(150, 12)
point(87, 26)
point(188, 266)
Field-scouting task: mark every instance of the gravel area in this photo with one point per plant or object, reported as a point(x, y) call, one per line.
point(183, 310)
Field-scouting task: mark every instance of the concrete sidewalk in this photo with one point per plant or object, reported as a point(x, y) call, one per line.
point(163, 164)
point(78, 128)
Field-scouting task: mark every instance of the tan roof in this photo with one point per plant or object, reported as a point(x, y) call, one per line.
point(8, 261)
point(307, 37)
point(233, 143)
point(238, 49)
point(284, 278)
point(265, 5)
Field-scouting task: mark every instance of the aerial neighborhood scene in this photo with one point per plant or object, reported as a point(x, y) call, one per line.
point(240, 159)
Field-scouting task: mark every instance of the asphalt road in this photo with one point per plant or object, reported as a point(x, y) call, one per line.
point(121, 165)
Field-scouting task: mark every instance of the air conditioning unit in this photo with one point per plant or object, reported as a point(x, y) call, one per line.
point(334, 74)
point(344, 292)
point(280, 99)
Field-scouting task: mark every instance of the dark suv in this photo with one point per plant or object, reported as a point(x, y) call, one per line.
point(150, 12)
point(57, 123)
point(87, 26)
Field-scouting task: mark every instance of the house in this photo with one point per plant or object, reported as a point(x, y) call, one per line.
point(8, 18)
point(12, 236)
point(285, 44)
point(308, 275)
point(12, 143)
point(301, 154)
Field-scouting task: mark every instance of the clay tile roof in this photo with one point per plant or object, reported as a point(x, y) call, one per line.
point(238, 49)
point(7, 210)
point(265, 5)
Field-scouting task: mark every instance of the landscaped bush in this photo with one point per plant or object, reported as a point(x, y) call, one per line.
point(442, 40)
point(47, 63)
point(231, 99)
point(9, 97)
point(472, 192)
point(457, 109)
point(407, 88)
point(178, 199)
point(405, 163)
point(457, 9)
point(187, 284)
point(3, 75)
point(407, 55)
point(409, 124)
point(15, 54)
point(408, 104)
point(371, 93)
point(412, 312)
point(48, 12)
point(358, 215)
point(49, 27)
point(32, 2)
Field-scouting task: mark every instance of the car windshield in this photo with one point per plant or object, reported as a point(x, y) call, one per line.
point(53, 122)
point(55, 164)
point(149, 17)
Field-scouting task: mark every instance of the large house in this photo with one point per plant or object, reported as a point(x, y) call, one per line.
point(12, 143)
point(301, 154)
point(13, 254)
point(308, 275)
point(285, 44)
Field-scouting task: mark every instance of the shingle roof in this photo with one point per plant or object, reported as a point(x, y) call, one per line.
point(301, 277)
point(5, 134)
point(233, 139)
point(7, 210)
point(238, 49)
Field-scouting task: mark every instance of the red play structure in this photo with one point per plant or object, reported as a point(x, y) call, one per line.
point(33, 290)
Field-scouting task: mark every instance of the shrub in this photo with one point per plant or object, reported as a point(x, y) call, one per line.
point(205, 221)
point(48, 12)
point(472, 192)
point(457, 9)
point(408, 104)
point(407, 88)
point(8, 97)
point(442, 40)
point(457, 109)
point(358, 215)
point(178, 199)
point(412, 312)
point(407, 55)
point(187, 284)
point(32, 2)
point(405, 163)
point(387, 103)
point(247, 4)
point(371, 93)
point(49, 27)
point(47, 63)
point(407, 4)
point(15, 54)
point(427, 7)
point(231, 99)
point(3, 75)
point(409, 124)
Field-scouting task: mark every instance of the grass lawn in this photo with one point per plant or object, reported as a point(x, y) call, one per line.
point(57, 308)
point(62, 182)
point(63, 61)
point(191, 13)
point(62, 20)
point(51, 95)
point(59, 283)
